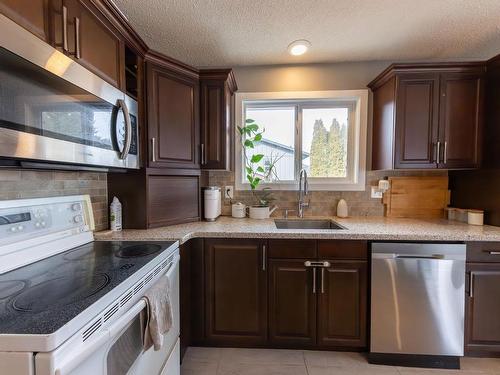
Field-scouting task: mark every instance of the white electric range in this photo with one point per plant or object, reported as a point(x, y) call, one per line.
point(70, 305)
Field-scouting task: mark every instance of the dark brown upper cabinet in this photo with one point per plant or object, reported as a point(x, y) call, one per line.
point(461, 119)
point(81, 32)
point(428, 116)
point(236, 291)
point(217, 107)
point(172, 112)
point(33, 15)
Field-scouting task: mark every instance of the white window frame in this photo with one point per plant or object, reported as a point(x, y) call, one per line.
point(356, 146)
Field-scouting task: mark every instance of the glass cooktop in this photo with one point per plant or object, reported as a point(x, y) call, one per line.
point(41, 297)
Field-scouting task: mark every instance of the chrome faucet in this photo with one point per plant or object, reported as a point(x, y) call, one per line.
point(302, 193)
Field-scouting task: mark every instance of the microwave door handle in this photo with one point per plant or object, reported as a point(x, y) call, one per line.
point(128, 129)
point(73, 359)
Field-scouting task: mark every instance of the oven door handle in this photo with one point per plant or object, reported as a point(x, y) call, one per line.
point(84, 351)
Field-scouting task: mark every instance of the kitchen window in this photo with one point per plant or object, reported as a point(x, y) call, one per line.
point(321, 132)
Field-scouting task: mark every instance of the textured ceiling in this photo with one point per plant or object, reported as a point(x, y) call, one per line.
point(257, 32)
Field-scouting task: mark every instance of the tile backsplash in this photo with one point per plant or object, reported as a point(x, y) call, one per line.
point(322, 203)
point(15, 184)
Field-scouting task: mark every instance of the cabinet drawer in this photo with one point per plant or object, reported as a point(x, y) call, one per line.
point(292, 249)
point(485, 252)
point(342, 249)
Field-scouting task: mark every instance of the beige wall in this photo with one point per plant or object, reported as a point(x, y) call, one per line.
point(313, 77)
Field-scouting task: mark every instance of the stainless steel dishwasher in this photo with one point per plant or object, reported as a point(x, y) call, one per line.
point(417, 304)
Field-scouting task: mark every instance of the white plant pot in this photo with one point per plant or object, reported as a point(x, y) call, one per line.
point(257, 212)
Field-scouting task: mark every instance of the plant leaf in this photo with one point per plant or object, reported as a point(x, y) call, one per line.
point(260, 169)
point(258, 137)
point(256, 158)
point(250, 179)
point(249, 120)
point(253, 127)
point(249, 170)
point(248, 143)
point(240, 129)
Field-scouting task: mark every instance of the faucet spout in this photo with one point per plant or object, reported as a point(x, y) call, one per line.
point(303, 192)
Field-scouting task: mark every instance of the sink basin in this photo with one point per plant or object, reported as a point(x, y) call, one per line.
point(307, 224)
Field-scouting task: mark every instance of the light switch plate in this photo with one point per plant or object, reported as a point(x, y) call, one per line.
point(228, 192)
point(376, 192)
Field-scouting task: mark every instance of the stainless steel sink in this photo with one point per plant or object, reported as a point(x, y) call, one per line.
point(307, 224)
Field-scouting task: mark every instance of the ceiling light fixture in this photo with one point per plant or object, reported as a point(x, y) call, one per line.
point(298, 47)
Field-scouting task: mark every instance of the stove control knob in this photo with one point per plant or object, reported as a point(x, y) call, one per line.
point(76, 206)
point(13, 229)
point(37, 224)
point(78, 219)
point(20, 227)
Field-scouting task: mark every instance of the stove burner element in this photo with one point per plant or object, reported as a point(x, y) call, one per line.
point(134, 251)
point(59, 292)
point(11, 287)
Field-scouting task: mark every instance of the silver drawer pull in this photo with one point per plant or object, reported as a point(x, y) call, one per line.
point(312, 263)
point(493, 252)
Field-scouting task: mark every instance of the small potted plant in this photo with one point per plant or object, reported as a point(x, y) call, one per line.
point(257, 171)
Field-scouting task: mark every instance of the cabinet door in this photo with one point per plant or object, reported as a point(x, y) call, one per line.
point(342, 300)
point(215, 117)
point(236, 291)
point(172, 199)
point(93, 43)
point(417, 106)
point(461, 120)
point(483, 308)
point(30, 14)
point(173, 124)
point(292, 303)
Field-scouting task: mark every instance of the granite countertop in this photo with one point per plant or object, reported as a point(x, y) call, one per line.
point(365, 228)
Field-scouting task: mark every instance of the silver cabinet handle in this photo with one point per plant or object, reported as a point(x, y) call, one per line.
point(493, 252)
point(445, 152)
point(65, 28)
point(322, 280)
point(314, 280)
point(471, 285)
point(77, 38)
point(153, 149)
point(263, 257)
point(128, 129)
point(202, 146)
point(438, 152)
point(312, 263)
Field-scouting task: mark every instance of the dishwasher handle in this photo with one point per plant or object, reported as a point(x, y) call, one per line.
point(433, 256)
point(407, 256)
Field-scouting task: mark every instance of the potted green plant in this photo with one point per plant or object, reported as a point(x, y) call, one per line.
point(256, 170)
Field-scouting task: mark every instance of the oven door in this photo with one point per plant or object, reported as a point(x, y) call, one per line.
point(117, 350)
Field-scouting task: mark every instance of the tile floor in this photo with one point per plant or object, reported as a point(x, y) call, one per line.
point(229, 361)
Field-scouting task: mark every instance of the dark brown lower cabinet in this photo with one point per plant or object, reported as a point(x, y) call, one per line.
point(235, 292)
point(342, 300)
point(292, 303)
point(279, 293)
point(318, 301)
point(483, 309)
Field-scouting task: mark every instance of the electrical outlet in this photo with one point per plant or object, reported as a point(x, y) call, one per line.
point(376, 192)
point(228, 192)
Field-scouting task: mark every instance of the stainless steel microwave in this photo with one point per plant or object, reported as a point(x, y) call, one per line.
point(53, 110)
